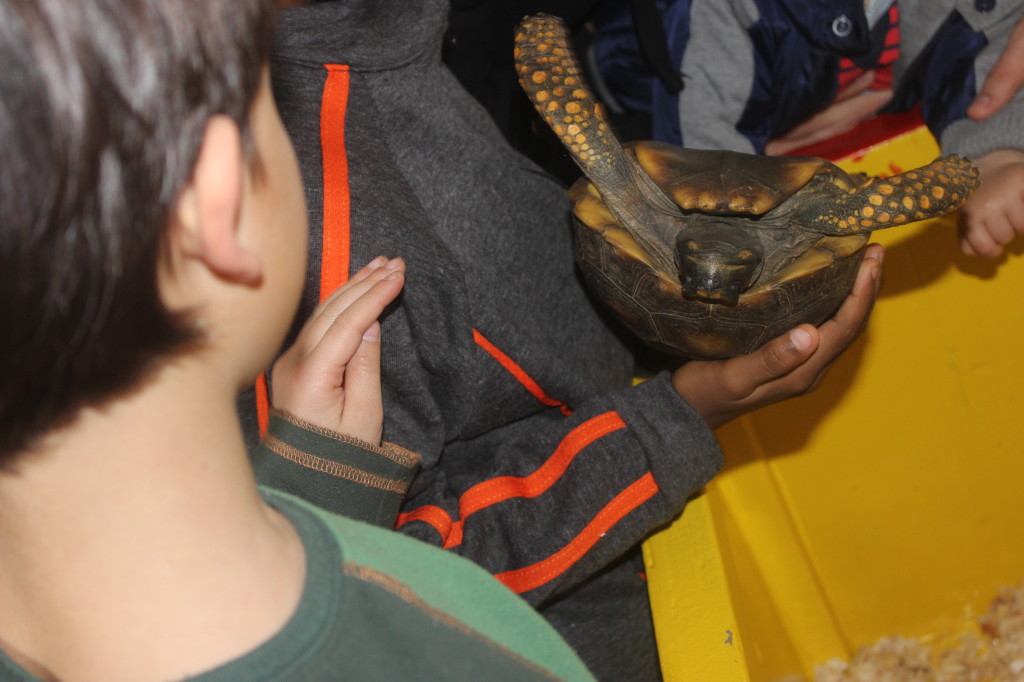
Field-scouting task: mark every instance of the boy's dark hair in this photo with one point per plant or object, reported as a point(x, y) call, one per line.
point(103, 106)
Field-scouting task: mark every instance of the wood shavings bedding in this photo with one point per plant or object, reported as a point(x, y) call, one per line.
point(996, 655)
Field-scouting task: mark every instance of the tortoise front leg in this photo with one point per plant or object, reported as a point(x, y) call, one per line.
point(927, 192)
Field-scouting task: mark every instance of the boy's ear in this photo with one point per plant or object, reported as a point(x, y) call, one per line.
point(208, 211)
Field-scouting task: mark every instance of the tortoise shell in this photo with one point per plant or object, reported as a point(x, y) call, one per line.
point(652, 305)
point(725, 183)
point(709, 254)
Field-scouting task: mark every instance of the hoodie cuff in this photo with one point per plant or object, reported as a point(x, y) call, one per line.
point(335, 471)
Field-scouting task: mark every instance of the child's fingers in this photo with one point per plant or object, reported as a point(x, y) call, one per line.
point(839, 117)
point(853, 314)
point(377, 262)
point(312, 385)
point(325, 315)
point(967, 247)
point(363, 413)
point(777, 359)
point(838, 333)
point(856, 309)
point(341, 338)
point(1004, 78)
point(721, 390)
point(856, 86)
point(801, 358)
point(1001, 229)
point(357, 285)
point(338, 305)
point(364, 272)
point(981, 243)
point(985, 235)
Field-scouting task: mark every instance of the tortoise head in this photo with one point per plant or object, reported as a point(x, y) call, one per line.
point(718, 260)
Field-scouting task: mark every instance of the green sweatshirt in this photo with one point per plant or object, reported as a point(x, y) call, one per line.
point(381, 606)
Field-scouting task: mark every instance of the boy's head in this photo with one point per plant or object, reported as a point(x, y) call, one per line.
point(103, 107)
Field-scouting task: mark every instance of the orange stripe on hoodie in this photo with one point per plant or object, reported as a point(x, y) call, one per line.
point(334, 260)
point(519, 373)
point(531, 577)
point(495, 490)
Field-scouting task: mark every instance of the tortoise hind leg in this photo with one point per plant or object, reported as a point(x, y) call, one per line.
point(927, 192)
point(552, 78)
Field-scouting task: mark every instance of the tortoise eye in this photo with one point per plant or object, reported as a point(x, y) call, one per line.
point(746, 254)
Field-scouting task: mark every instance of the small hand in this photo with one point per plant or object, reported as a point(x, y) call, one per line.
point(1004, 80)
point(331, 375)
point(791, 365)
point(994, 215)
point(852, 105)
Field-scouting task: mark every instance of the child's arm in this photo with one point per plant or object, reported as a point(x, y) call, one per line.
point(852, 105)
point(324, 439)
point(994, 215)
point(791, 365)
point(330, 376)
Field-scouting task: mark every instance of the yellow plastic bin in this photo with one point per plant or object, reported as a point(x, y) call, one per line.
point(887, 502)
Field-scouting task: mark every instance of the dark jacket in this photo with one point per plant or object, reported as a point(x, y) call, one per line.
point(540, 461)
point(754, 69)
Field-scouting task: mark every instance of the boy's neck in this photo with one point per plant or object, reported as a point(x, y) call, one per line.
point(143, 521)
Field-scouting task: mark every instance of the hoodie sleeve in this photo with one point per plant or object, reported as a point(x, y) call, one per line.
point(549, 500)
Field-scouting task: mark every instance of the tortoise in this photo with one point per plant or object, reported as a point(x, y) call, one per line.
point(710, 254)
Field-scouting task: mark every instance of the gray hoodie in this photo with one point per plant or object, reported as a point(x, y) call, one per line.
point(541, 461)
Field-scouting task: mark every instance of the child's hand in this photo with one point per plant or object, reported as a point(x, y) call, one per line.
point(331, 375)
point(1004, 80)
point(791, 365)
point(852, 105)
point(994, 214)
